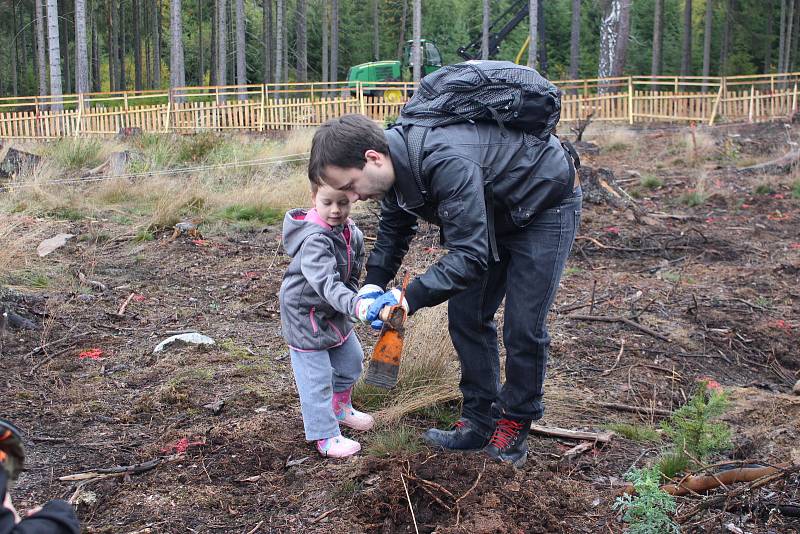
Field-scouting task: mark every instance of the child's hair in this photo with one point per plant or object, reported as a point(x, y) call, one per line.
point(314, 188)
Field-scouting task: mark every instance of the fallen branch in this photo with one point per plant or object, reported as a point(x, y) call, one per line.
point(634, 409)
point(619, 319)
point(122, 470)
point(410, 506)
point(597, 437)
point(616, 362)
point(121, 311)
point(580, 448)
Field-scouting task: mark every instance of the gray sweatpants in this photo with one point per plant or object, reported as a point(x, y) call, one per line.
point(317, 375)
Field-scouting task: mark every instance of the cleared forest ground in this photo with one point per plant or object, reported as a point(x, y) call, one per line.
point(709, 263)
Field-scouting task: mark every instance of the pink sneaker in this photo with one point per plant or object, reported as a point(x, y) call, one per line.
point(338, 447)
point(349, 416)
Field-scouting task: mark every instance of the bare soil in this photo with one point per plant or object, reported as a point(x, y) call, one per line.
point(719, 280)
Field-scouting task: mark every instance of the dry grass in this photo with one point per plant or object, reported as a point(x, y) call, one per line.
point(429, 370)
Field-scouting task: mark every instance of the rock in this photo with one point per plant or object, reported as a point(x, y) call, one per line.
point(193, 338)
point(215, 407)
point(796, 388)
point(16, 162)
point(49, 245)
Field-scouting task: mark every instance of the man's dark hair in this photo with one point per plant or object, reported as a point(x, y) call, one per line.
point(342, 142)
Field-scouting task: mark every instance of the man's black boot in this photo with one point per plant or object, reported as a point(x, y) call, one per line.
point(463, 437)
point(509, 442)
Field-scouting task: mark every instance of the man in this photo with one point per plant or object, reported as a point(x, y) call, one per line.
point(508, 206)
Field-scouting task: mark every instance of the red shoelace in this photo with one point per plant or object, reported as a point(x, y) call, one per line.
point(505, 433)
point(459, 424)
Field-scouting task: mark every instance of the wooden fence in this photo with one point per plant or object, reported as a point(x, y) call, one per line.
point(632, 99)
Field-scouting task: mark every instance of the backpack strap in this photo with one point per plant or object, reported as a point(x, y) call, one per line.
point(415, 141)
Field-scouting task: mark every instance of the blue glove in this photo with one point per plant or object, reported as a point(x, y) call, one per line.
point(377, 324)
point(390, 298)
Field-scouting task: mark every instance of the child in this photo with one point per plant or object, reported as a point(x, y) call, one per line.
point(318, 297)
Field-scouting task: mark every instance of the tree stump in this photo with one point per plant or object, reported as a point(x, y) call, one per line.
point(16, 162)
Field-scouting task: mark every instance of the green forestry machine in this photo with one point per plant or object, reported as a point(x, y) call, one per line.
point(376, 73)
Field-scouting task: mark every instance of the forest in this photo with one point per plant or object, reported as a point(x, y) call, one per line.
point(64, 46)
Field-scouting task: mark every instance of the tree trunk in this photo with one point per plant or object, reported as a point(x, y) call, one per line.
point(81, 54)
point(403, 21)
point(177, 74)
point(113, 43)
point(707, 31)
point(157, 44)
point(325, 67)
point(658, 37)
point(241, 58)
point(285, 41)
point(279, 45)
point(212, 68)
point(201, 75)
point(376, 36)
point(302, 41)
point(575, 41)
point(41, 62)
point(231, 36)
point(787, 36)
point(416, 50)
point(542, 40)
point(66, 59)
point(623, 36)
point(334, 41)
point(123, 82)
point(791, 36)
point(485, 30)
point(137, 45)
point(54, 49)
point(793, 46)
point(686, 48)
point(222, 42)
point(267, 38)
point(609, 32)
point(97, 79)
point(726, 39)
point(782, 36)
point(14, 51)
point(533, 30)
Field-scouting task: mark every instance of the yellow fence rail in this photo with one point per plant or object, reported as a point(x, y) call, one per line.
point(261, 107)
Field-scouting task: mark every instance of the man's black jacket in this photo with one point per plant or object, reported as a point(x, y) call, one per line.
point(527, 175)
point(55, 517)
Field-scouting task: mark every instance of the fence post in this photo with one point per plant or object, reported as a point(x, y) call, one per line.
point(263, 103)
point(794, 99)
point(630, 100)
point(169, 112)
point(715, 107)
point(80, 115)
point(360, 91)
point(752, 97)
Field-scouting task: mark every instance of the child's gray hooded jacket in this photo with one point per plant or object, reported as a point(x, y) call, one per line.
point(318, 293)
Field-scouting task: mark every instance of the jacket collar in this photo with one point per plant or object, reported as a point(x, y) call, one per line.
point(408, 194)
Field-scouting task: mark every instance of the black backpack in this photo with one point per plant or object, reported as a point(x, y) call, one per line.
point(512, 95)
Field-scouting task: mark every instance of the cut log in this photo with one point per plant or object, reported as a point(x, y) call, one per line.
point(600, 187)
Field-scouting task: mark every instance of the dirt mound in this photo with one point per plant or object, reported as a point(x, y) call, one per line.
point(466, 493)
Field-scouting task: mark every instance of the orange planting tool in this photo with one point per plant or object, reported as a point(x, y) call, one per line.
point(385, 363)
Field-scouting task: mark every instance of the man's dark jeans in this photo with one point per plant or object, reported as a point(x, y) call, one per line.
point(528, 274)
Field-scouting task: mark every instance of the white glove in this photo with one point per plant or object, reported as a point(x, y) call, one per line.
point(362, 309)
point(370, 291)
